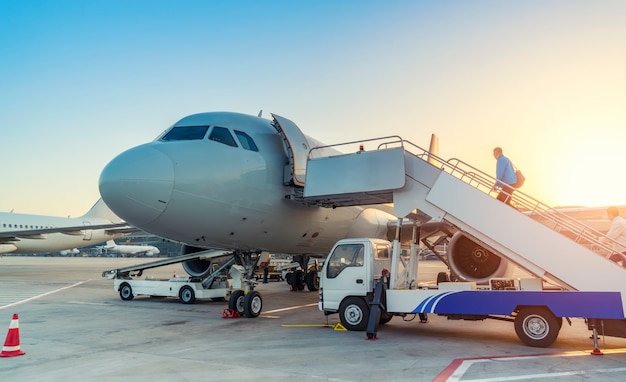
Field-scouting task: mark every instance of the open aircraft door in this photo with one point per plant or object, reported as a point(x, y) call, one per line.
point(297, 150)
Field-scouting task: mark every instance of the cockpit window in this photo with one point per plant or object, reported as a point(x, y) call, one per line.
point(185, 133)
point(222, 135)
point(246, 141)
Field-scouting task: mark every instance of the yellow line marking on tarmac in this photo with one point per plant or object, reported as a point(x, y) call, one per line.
point(289, 308)
point(336, 326)
point(89, 303)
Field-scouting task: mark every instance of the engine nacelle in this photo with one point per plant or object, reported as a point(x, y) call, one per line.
point(470, 261)
point(7, 248)
point(198, 267)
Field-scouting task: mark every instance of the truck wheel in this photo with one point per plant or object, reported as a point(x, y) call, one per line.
point(312, 281)
point(536, 326)
point(187, 295)
point(354, 313)
point(384, 317)
point(126, 292)
point(253, 303)
point(235, 302)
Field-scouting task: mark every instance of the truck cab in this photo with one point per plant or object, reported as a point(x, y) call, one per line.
point(350, 272)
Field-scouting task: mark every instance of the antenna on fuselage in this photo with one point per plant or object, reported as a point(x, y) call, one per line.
point(260, 113)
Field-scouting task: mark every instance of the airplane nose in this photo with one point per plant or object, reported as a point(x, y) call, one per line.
point(137, 185)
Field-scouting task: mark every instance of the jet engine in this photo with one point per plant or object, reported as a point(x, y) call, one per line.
point(198, 267)
point(470, 261)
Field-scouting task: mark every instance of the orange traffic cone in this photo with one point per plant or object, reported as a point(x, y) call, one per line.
point(11, 346)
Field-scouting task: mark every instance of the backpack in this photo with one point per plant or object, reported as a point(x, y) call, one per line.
point(520, 179)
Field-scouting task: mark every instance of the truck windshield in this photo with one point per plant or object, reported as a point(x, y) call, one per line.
point(344, 255)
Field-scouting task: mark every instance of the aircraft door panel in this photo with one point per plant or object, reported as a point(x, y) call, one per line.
point(297, 149)
point(87, 232)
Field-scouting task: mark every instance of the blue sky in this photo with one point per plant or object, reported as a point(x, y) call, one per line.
point(83, 81)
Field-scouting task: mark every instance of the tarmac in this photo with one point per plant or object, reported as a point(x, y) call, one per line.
point(74, 327)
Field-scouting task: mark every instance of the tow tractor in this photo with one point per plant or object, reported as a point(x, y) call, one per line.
point(226, 280)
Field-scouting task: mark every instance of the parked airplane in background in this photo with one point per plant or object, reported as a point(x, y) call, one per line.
point(69, 252)
point(131, 250)
point(25, 233)
point(235, 181)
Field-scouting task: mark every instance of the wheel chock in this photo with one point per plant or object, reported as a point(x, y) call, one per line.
point(230, 313)
point(340, 327)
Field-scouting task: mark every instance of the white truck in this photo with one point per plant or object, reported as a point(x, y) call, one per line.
point(368, 281)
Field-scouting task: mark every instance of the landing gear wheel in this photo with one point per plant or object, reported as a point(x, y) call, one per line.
point(354, 313)
point(297, 281)
point(312, 281)
point(236, 301)
point(187, 295)
point(289, 278)
point(252, 305)
point(536, 326)
point(126, 292)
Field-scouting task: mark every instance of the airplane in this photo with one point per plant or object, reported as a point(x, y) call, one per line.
point(233, 181)
point(69, 252)
point(27, 233)
point(133, 250)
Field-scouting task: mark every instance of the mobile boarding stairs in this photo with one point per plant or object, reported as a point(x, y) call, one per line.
point(545, 242)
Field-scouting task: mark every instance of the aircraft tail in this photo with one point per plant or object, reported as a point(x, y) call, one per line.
point(433, 150)
point(102, 211)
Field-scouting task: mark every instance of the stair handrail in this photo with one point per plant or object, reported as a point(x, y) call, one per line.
point(580, 232)
point(552, 217)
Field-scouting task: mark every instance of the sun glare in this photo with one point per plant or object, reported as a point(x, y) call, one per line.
point(588, 168)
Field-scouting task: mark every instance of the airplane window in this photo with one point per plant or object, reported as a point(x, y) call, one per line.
point(185, 133)
point(246, 141)
point(222, 135)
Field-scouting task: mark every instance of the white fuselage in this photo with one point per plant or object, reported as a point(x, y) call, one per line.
point(50, 242)
point(127, 249)
point(208, 194)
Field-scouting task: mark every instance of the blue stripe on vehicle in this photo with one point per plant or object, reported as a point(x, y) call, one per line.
point(562, 303)
point(429, 303)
